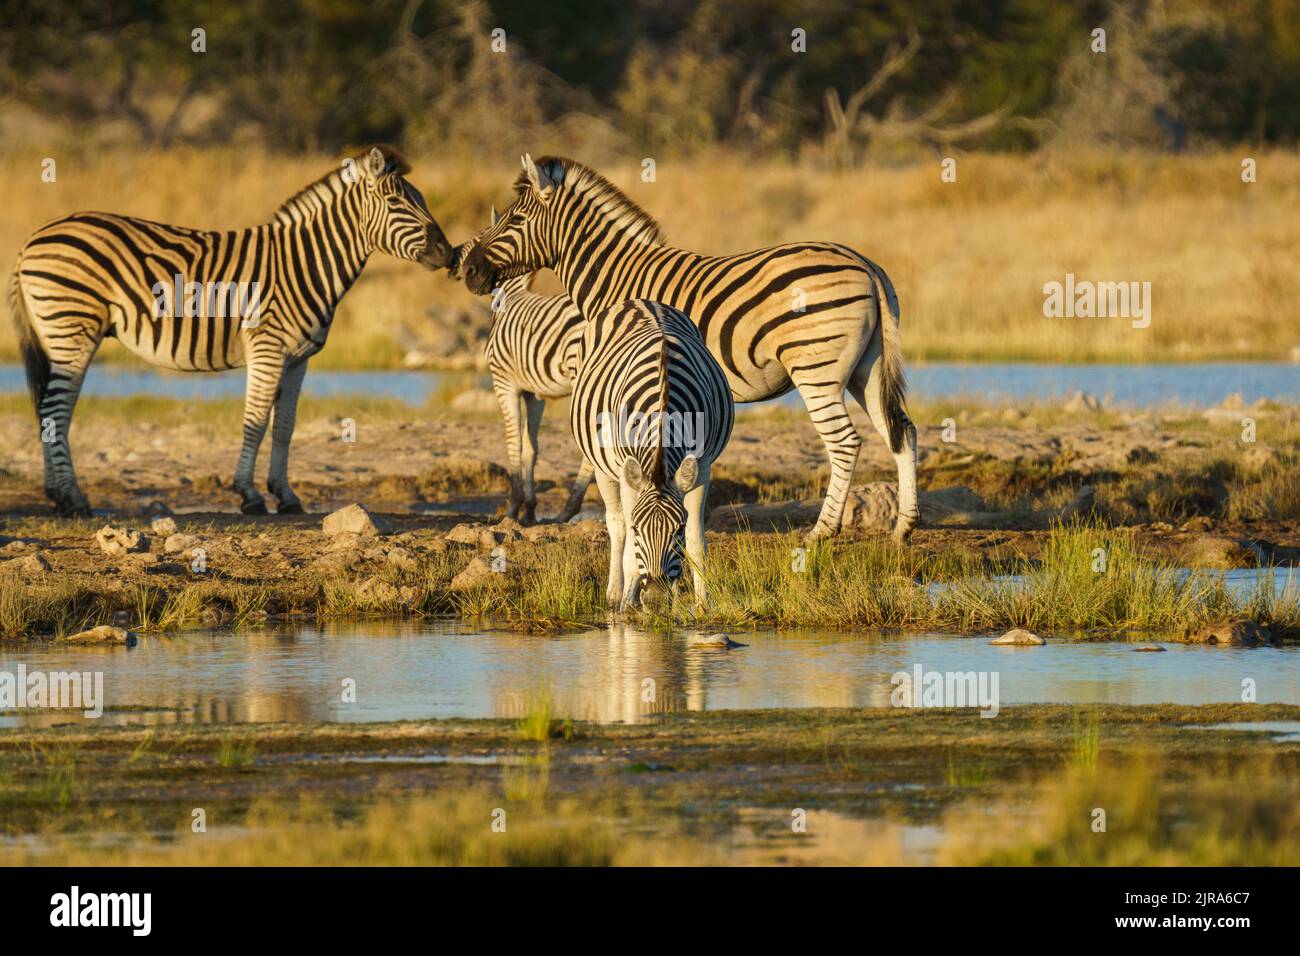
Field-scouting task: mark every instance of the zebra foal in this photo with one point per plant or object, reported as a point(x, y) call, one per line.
point(532, 352)
point(651, 412)
point(812, 316)
point(199, 301)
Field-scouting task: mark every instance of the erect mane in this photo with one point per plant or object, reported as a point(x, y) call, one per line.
point(312, 196)
point(612, 201)
point(657, 474)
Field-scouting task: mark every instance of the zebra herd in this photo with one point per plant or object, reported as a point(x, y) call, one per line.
point(647, 334)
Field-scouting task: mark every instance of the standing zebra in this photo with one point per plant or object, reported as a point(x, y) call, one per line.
point(532, 352)
point(814, 316)
point(199, 301)
point(651, 412)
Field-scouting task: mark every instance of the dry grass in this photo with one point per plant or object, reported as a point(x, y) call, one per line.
point(969, 258)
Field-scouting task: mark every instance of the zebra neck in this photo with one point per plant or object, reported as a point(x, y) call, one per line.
point(322, 236)
point(615, 271)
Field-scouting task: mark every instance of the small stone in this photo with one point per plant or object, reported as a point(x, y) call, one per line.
point(120, 541)
point(1148, 648)
point(464, 534)
point(34, 565)
point(475, 575)
point(401, 558)
point(103, 634)
point(1083, 402)
point(1221, 552)
point(180, 543)
point(1018, 637)
point(354, 519)
point(164, 527)
point(716, 641)
point(1235, 633)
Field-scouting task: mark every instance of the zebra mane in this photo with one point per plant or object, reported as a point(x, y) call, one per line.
point(316, 194)
point(657, 474)
point(612, 202)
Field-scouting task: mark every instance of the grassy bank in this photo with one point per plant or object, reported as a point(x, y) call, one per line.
point(681, 790)
point(969, 258)
point(754, 581)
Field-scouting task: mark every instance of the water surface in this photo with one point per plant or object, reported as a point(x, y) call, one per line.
point(419, 671)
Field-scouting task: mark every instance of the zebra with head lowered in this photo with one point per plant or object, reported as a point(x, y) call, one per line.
point(813, 316)
point(651, 412)
point(532, 352)
point(199, 301)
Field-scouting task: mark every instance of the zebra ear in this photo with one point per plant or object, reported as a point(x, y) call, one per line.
point(633, 476)
point(375, 162)
point(688, 473)
point(495, 217)
point(540, 180)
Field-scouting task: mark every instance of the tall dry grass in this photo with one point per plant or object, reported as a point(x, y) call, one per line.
point(969, 258)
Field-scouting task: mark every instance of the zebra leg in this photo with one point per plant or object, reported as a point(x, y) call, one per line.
point(259, 396)
point(695, 542)
point(282, 423)
point(55, 418)
point(631, 574)
point(865, 387)
point(825, 403)
point(617, 527)
point(533, 409)
point(508, 398)
point(581, 482)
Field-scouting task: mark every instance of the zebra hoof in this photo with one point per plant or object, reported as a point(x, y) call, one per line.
point(290, 508)
point(257, 507)
point(72, 510)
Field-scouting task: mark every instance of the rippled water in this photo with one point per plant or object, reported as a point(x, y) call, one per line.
point(1201, 384)
point(403, 671)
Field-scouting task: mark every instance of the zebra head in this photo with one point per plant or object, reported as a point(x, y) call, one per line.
point(397, 220)
point(459, 253)
point(657, 522)
point(522, 240)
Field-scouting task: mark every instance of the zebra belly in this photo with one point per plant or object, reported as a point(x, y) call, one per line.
point(186, 344)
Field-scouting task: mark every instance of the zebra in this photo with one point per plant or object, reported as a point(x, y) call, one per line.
point(90, 276)
point(532, 352)
point(651, 411)
point(812, 316)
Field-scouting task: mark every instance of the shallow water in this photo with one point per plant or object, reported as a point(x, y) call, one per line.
point(1200, 384)
point(405, 671)
point(1241, 583)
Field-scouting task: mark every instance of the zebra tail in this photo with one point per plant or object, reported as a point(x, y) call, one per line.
point(893, 385)
point(36, 362)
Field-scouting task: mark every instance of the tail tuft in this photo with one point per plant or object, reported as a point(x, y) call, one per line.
point(35, 361)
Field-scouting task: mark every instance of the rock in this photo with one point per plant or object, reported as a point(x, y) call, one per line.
point(1080, 506)
point(164, 527)
point(873, 507)
point(1083, 402)
point(378, 591)
point(1199, 523)
point(475, 575)
point(1017, 637)
point(401, 558)
point(479, 400)
point(1236, 633)
point(464, 534)
point(354, 519)
point(542, 532)
point(144, 558)
point(120, 541)
point(715, 641)
point(103, 634)
point(489, 538)
point(589, 529)
point(180, 543)
point(1221, 552)
point(1148, 648)
point(31, 566)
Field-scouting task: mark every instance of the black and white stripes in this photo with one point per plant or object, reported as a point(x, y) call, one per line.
point(651, 412)
point(813, 316)
point(202, 301)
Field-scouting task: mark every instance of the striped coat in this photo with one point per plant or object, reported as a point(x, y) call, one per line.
point(533, 351)
point(811, 316)
point(651, 412)
point(202, 301)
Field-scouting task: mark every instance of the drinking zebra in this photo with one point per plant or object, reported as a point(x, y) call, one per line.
point(814, 316)
point(202, 301)
point(651, 412)
point(532, 353)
